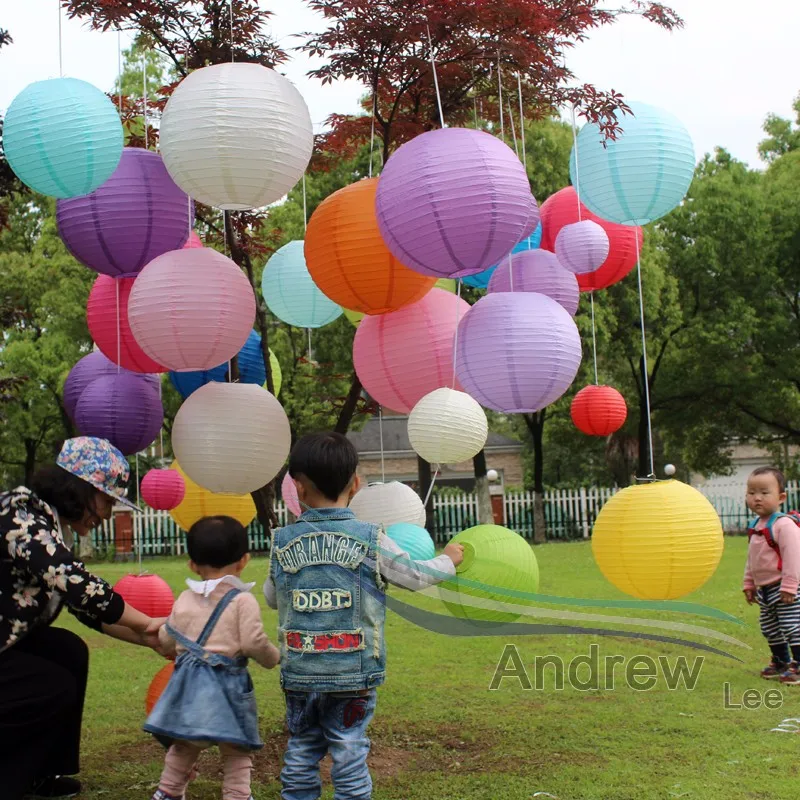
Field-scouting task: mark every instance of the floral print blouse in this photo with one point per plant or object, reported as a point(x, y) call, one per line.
point(39, 574)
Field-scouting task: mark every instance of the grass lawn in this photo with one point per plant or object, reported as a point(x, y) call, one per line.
point(440, 734)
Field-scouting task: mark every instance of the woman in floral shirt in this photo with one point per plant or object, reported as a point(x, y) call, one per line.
point(43, 670)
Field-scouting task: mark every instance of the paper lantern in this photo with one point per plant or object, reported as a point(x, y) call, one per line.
point(236, 136)
point(642, 174)
point(354, 317)
point(147, 593)
point(447, 427)
point(289, 495)
point(416, 541)
point(62, 137)
point(537, 271)
point(163, 489)
point(191, 309)
point(388, 504)
point(194, 241)
point(231, 438)
point(582, 247)
point(448, 284)
point(598, 410)
point(157, 686)
point(561, 209)
point(347, 257)
point(121, 408)
point(199, 502)
point(291, 294)
point(517, 352)
point(657, 541)
point(481, 279)
point(109, 327)
point(402, 356)
point(454, 201)
point(137, 214)
point(497, 562)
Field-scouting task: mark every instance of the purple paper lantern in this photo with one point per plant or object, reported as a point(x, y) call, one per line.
point(537, 271)
point(517, 352)
point(453, 202)
point(122, 408)
point(582, 246)
point(137, 214)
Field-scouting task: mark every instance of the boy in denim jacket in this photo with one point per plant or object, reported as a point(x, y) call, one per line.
point(327, 578)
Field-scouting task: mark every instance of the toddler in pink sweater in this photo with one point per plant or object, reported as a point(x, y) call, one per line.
point(772, 572)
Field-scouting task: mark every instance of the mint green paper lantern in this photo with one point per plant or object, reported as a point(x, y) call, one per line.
point(62, 137)
point(640, 176)
point(415, 540)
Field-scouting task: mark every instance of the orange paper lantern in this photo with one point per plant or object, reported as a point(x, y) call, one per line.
point(598, 410)
point(348, 259)
point(157, 686)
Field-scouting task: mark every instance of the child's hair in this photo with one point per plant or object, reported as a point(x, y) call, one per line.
point(217, 542)
point(328, 460)
point(779, 476)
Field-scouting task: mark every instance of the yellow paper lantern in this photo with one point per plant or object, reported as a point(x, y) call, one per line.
point(657, 541)
point(199, 502)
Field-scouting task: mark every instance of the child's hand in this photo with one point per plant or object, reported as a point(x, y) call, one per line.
point(750, 595)
point(787, 597)
point(455, 552)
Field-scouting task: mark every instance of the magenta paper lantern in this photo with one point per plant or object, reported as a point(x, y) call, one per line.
point(582, 246)
point(289, 495)
point(137, 214)
point(163, 489)
point(537, 271)
point(453, 202)
point(121, 408)
point(191, 309)
point(193, 242)
point(402, 356)
point(517, 352)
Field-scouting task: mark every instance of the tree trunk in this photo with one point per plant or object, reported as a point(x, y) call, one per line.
point(349, 408)
point(485, 515)
point(425, 480)
point(535, 423)
point(30, 460)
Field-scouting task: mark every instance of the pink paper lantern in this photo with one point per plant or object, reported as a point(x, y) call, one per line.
point(163, 489)
point(537, 271)
point(289, 495)
point(147, 593)
point(193, 242)
point(192, 309)
point(582, 246)
point(402, 356)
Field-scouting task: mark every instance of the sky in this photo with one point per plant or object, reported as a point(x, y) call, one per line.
point(721, 74)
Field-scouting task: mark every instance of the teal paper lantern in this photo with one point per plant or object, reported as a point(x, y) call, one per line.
point(291, 294)
point(640, 176)
point(416, 541)
point(62, 137)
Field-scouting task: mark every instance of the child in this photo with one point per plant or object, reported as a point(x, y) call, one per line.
point(214, 628)
point(326, 579)
point(772, 572)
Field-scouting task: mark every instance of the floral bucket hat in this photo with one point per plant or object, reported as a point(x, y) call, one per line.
point(98, 462)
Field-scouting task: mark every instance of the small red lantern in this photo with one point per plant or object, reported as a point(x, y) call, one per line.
point(163, 489)
point(157, 686)
point(598, 410)
point(147, 593)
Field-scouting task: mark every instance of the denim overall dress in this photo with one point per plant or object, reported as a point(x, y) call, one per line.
point(210, 697)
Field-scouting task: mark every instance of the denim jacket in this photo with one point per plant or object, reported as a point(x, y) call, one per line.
point(331, 602)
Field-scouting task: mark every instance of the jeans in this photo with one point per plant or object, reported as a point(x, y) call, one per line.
point(328, 723)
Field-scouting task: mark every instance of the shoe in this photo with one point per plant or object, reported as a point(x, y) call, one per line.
point(773, 670)
point(55, 786)
point(791, 675)
point(161, 795)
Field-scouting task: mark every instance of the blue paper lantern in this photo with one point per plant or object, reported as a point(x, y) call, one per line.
point(416, 541)
point(640, 176)
point(62, 137)
point(481, 280)
point(291, 294)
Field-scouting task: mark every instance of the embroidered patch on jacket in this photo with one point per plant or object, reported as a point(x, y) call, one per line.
point(313, 549)
point(334, 642)
point(321, 599)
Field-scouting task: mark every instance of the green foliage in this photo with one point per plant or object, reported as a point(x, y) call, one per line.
point(782, 136)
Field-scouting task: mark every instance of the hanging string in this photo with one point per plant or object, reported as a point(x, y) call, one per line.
point(645, 377)
point(137, 535)
point(60, 43)
point(372, 130)
point(380, 430)
point(577, 172)
point(594, 339)
point(310, 352)
point(513, 129)
point(522, 128)
point(144, 98)
point(475, 108)
point(500, 96)
point(119, 69)
point(119, 333)
point(435, 76)
point(455, 335)
point(305, 208)
point(231, 10)
point(430, 488)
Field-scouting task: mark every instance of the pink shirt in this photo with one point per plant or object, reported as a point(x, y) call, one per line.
point(762, 561)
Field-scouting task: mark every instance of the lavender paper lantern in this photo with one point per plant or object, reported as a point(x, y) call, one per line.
point(537, 271)
point(481, 279)
point(121, 408)
point(517, 352)
point(453, 202)
point(137, 214)
point(582, 246)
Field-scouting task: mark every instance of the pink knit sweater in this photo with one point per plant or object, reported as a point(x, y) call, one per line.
point(762, 561)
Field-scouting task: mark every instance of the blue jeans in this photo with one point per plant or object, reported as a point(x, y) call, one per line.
point(327, 723)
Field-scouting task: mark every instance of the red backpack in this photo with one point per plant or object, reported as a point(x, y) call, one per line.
point(766, 531)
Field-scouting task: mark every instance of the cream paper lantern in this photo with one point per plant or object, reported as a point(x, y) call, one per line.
point(447, 427)
point(236, 136)
point(387, 504)
point(231, 438)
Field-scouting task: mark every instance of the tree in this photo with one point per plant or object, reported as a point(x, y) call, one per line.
point(782, 136)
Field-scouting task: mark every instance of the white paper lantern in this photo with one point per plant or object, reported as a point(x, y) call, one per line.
point(236, 136)
point(447, 427)
point(387, 504)
point(231, 438)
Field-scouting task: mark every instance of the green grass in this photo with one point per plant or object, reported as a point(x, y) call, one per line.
point(440, 734)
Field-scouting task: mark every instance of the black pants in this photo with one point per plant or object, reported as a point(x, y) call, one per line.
point(42, 688)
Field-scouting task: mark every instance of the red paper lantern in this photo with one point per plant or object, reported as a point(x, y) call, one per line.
point(163, 489)
point(598, 410)
point(147, 593)
point(157, 686)
point(561, 209)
